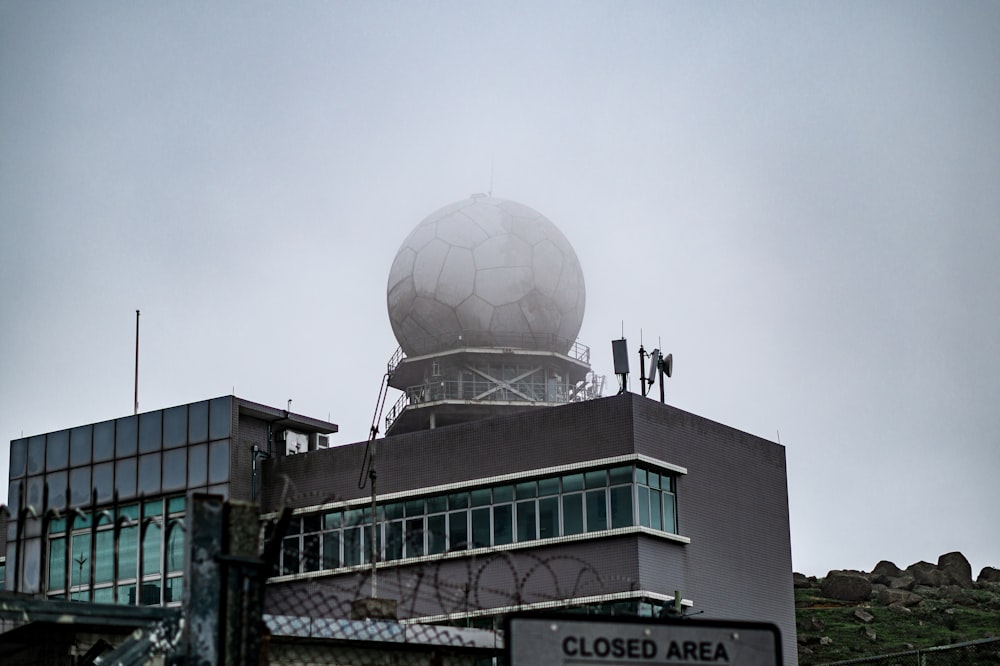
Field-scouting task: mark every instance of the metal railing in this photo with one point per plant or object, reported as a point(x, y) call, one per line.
point(485, 339)
point(983, 651)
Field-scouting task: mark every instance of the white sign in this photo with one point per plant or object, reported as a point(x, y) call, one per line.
point(605, 641)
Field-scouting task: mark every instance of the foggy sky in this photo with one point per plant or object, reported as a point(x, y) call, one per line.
point(800, 202)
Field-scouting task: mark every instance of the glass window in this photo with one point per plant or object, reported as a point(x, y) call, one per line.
point(597, 510)
point(481, 527)
point(79, 568)
point(220, 418)
point(414, 537)
point(290, 556)
point(548, 517)
point(175, 427)
point(526, 526)
point(354, 517)
point(218, 461)
point(175, 545)
point(57, 489)
point(104, 441)
point(654, 480)
point(18, 457)
point(643, 502)
point(104, 557)
point(174, 590)
point(620, 475)
point(104, 481)
point(79, 520)
point(596, 478)
point(128, 544)
point(394, 540)
point(126, 594)
point(125, 477)
point(669, 513)
point(503, 525)
point(331, 550)
point(415, 508)
point(332, 520)
point(56, 526)
point(393, 511)
point(36, 454)
point(655, 510)
point(57, 563)
point(79, 486)
point(526, 490)
point(176, 504)
point(310, 552)
point(56, 450)
point(548, 486)
point(150, 431)
point(151, 549)
point(13, 500)
point(352, 546)
point(572, 482)
point(481, 497)
point(640, 477)
point(311, 523)
point(437, 535)
point(126, 436)
point(198, 423)
point(572, 511)
point(197, 465)
point(458, 501)
point(621, 506)
point(149, 474)
point(458, 530)
point(150, 594)
point(503, 494)
point(81, 445)
point(35, 490)
point(437, 504)
point(31, 574)
point(174, 470)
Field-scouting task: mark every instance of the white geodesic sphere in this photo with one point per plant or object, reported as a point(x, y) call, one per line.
point(485, 272)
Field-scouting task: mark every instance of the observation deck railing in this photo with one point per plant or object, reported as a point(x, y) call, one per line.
point(480, 339)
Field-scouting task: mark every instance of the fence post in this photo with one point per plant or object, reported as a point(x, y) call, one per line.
point(203, 580)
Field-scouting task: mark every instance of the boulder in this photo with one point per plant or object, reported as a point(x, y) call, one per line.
point(846, 586)
point(884, 571)
point(989, 575)
point(891, 597)
point(863, 616)
point(925, 573)
point(903, 582)
point(957, 568)
point(899, 608)
point(801, 581)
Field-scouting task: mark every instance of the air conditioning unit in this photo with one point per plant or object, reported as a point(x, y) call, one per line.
point(320, 442)
point(295, 442)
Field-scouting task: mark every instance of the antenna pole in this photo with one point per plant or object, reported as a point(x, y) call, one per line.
point(136, 362)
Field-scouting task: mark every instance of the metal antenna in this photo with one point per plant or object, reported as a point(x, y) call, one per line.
point(136, 363)
point(368, 473)
point(491, 175)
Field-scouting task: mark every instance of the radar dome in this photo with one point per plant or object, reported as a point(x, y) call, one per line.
point(485, 272)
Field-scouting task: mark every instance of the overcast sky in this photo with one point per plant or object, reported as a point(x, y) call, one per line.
point(800, 201)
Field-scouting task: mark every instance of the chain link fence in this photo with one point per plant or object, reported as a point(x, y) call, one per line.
point(982, 652)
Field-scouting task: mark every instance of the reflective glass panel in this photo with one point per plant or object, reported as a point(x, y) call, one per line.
point(503, 524)
point(125, 478)
point(621, 506)
point(174, 469)
point(526, 490)
point(654, 480)
point(655, 510)
point(81, 445)
point(415, 508)
point(36, 454)
point(572, 482)
point(220, 418)
point(620, 475)
point(126, 595)
point(437, 504)
point(481, 527)
point(104, 441)
point(18, 457)
point(104, 481)
point(458, 530)
point(126, 436)
point(175, 427)
point(643, 503)
point(352, 546)
point(331, 550)
point(150, 431)
point(57, 563)
point(128, 548)
point(198, 423)
point(151, 550)
point(150, 594)
point(218, 461)
point(31, 577)
point(393, 511)
point(104, 595)
point(57, 526)
point(481, 497)
point(175, 545)
point(13, 498)
point(104, 557)
point(548, 486)
point(79, 568)
point(174, 590)
point(526, 521)
point(311, 523)
point(548, 517)
point(393, 540)
point(597, 510)
point(149, 474)
point(332, 520)
point(57, 489)
point(437, 541)
point(458, 501)
point(56, 450)
point(669, 513)
point(414, 537)
point(503, 494)
point(572, 510)
point(79, 486)
point(596, 478)
point(197, 465)
point(35, 488)
point(176, 504)
point(310, 552)
point(641, 477)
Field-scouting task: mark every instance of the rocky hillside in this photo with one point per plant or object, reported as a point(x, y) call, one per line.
point(850, 614)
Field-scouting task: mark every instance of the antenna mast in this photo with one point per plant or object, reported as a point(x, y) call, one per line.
point(368, 473)
point(136, 362)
